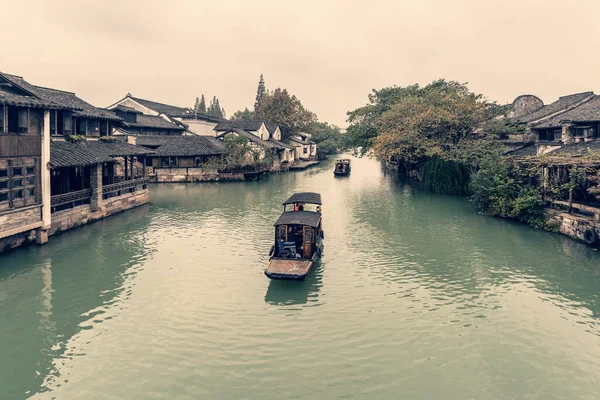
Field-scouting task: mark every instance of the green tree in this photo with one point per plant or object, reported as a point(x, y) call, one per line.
point(327, 137)
point(245, 115)
point(202, 106)
point(196, 105)
point(285, 110)
point(260, 93)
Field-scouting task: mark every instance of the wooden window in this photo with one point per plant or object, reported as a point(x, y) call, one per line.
point(23, 120)
point(18, 184)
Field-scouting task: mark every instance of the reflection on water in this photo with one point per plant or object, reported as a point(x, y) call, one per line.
point(288, 293)
point(416, 294)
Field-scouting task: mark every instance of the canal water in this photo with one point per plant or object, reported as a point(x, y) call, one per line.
point(417, 297)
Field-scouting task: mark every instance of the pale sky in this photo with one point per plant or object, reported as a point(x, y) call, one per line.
point(329, 53)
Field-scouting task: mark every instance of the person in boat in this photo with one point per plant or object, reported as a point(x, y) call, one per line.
point(299, 207)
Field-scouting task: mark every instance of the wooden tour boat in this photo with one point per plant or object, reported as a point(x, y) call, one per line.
point(298, 238)
point(342, 167)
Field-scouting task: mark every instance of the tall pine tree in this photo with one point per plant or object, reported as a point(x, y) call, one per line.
point(260, 92)
point(196, 105)
point(202, 106)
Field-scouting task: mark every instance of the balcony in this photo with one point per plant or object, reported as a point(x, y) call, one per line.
point(70, 200)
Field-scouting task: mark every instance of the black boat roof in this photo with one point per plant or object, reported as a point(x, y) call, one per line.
point(304, 197)
point(344, 160)
point(308, 218)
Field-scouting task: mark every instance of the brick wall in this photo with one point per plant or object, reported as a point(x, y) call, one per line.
point(17, 218)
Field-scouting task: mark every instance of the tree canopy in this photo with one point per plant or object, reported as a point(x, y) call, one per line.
point(327, 137)
point(285, 110)
point(245, 115)
point(415, 124)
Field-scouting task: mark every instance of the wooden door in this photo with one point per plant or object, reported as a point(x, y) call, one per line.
point(307, 241)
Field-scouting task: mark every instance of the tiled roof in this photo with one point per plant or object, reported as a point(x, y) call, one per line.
point(281, 144)
point(559, 105)
point(151, 121)
point(67, 154)
point(586, 112)
point(251, 137)
point(117, 149)
point(66, 100)
point(245, 125)
point(293, 139)
point(161, 108)
point(14, 93)
point(123, 108)
point(271, 127)
point(153, 140)
point(190, 146)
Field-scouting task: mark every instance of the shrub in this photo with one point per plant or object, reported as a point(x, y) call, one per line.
point(505, 189)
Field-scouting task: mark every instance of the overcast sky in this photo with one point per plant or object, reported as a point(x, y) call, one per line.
point(330, 54)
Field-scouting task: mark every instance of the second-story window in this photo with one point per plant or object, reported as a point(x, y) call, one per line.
point(23, 120)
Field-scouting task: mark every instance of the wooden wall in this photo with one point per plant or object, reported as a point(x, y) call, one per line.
point(20, 145)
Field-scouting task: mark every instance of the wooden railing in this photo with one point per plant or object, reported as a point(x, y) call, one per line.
point(119, 188)
point(70, 200)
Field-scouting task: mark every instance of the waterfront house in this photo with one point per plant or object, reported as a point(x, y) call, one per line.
point(305, 149)
point(282, 153)
point(257, 128)
point(184, 158)
point(47, 175)
point(76, 116)
point(135, 122)
point(193, 123)
point(24, 155)
point(264, 136)
point(570, 119)
point(86, 183)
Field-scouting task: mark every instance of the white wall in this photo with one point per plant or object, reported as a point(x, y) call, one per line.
point(200, 127)
point(127, 102)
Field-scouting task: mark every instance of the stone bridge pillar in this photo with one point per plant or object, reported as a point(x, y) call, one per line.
point(96, 203)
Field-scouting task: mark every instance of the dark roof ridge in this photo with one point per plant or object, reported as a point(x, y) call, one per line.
point(55, 90)
point(152, 101)
point(14, 76)
point(577, 94)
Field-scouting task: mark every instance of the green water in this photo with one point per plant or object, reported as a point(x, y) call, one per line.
point(417, 297)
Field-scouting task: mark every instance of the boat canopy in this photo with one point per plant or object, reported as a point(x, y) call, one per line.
point(344, 160)
point(304, 197)
point(306, 218)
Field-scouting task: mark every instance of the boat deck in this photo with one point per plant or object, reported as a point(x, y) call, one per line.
point(283, 268)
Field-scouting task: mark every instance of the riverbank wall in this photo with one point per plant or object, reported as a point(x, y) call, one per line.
point(84, 214)
point(27, 223)
point(582, 228)
point(180, 175)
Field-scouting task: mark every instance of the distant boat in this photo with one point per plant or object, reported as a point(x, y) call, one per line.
point(342, 167)
point(298, 238)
